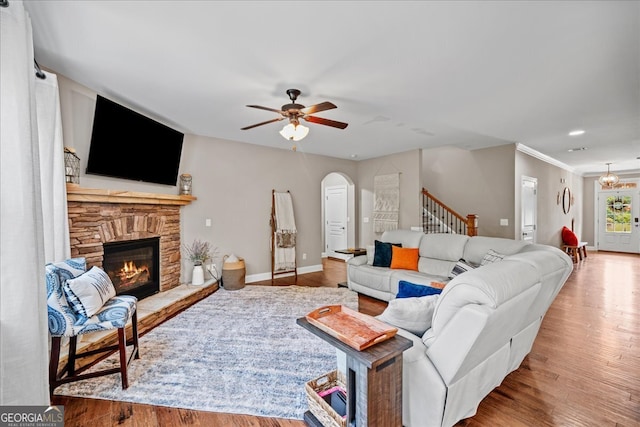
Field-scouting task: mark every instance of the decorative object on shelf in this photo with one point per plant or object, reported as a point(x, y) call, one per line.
point(609, 179)
point(71, 165)
point(185, 184)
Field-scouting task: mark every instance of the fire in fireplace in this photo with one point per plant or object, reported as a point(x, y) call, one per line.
point(134, 266)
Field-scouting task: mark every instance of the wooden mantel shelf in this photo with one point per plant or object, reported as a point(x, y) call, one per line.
point(75, 193)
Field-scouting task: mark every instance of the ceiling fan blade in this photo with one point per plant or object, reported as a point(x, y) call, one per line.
point(263, 123)
point(327, 122)
point(323, 106)
point(266, 108)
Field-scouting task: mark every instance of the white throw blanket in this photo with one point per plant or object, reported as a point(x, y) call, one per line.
point(285, 233)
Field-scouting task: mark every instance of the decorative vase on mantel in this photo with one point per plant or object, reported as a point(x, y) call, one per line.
point(197, 276)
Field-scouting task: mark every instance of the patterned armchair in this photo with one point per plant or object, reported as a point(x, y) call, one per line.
point(67, 319)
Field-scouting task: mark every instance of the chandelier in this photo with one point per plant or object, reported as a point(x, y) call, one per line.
point(609, 179)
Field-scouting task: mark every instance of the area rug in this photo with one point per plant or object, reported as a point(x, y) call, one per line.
point(236, 351)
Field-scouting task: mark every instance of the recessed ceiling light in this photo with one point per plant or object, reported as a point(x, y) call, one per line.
point(576, 149)
point(354, 156)
point(576, 132)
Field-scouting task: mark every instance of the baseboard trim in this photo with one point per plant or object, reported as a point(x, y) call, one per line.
point(267, 276)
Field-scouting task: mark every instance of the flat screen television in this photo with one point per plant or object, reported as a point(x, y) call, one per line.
point(128, 145)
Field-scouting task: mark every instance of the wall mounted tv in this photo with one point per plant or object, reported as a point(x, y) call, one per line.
point(128, 145)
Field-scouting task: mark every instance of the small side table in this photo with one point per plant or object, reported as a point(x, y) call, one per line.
point(374, 380)
point(354, 252)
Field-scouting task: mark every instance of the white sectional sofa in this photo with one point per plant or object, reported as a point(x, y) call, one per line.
point(478, 330)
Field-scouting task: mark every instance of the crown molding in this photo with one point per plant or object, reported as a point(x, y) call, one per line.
point(538, 155)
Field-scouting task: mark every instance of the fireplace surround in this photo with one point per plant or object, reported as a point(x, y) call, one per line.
point(102, 217)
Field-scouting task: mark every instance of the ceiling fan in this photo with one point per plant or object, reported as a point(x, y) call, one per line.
point(294, 112)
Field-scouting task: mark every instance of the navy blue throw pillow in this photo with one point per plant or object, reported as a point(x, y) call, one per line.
point(382, 255)
point(412, 290)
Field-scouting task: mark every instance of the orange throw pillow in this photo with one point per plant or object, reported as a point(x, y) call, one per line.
point(404, 258)
point(569, 237)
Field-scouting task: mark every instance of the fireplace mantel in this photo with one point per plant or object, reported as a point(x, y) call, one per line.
point(75, 193)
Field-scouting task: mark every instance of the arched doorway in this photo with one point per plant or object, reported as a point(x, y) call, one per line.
point(338, 214)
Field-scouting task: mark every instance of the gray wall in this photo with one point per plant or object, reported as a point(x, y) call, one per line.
point(408, 164)
point(474, 182)
point(551, 182)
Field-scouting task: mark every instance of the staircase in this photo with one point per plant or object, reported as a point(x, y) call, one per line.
point(439, 218)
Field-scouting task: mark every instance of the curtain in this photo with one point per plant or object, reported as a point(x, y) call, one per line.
point(24, 355)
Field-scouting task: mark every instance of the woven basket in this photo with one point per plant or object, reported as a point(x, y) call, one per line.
point(233, 275)
point(318, 406)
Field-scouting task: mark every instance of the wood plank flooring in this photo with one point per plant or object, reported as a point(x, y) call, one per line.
point(583, 370)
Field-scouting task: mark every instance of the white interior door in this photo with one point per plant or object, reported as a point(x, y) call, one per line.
point(336, 218)
point(529, 208)
point(618, 224)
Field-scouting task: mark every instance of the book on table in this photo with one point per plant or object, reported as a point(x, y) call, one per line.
point(358, 330)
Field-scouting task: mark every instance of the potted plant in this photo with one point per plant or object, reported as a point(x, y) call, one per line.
point(199, 252)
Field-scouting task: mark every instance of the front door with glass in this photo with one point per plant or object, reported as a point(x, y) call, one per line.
point(618, 223)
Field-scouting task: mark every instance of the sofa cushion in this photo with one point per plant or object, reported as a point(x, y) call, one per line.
point(491, 256)
point(408, 238)
point(569, 237)
point(382, 255)
point(411, 314)
point(376, 278)
point(404, 258)
point(412, 290)
point(478, 246)
point(442, 246)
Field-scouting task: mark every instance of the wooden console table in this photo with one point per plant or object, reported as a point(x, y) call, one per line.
point(374, 381)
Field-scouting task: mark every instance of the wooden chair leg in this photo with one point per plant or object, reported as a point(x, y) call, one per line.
point(122, 348)
point(134, 331)
point(54, 360)
point(71, 361)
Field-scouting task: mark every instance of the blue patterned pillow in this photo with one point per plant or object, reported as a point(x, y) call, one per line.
point(88, 292)
point(412, 290)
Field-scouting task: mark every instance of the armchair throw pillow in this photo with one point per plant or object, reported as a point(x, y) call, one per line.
point(88, 292)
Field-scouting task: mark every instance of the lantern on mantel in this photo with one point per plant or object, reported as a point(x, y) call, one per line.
point(185, 184)
point(71, 166)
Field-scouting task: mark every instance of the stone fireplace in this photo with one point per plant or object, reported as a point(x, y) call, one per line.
point(99, 218)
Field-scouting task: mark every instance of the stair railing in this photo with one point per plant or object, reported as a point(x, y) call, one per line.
point(439, 218)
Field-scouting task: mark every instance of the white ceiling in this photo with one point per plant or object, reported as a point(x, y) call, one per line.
point(404, 75)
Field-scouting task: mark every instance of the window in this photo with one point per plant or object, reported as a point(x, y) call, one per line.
point(618, 214)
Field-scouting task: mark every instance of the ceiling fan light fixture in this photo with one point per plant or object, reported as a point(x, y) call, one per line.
point(609, 179)
point(293, 132)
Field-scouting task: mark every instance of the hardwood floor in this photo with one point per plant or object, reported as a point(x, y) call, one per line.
point(583, 370)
